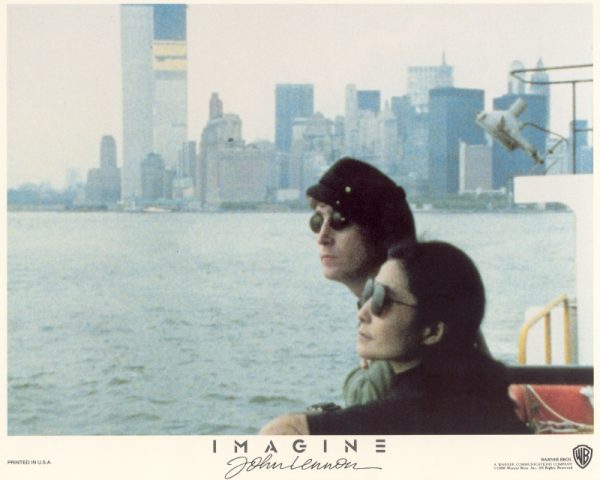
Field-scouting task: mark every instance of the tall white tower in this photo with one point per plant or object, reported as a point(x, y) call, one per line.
point(138, 93)
point(154, 83)
point(169, 51)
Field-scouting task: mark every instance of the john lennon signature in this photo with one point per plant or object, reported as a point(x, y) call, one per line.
point(244, 464)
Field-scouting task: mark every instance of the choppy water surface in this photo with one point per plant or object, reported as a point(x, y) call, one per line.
point(214, 323)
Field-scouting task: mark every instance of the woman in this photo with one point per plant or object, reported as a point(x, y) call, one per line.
point(422, 314)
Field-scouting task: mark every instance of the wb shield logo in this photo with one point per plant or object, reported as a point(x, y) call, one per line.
point(582, 455)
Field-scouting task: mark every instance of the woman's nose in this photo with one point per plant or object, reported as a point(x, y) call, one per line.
point(364, 312)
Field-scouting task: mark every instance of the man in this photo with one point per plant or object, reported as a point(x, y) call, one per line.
point(359, 214)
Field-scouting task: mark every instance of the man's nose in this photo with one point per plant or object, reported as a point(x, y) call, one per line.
point(325, 235)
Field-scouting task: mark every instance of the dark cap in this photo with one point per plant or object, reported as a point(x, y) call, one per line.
point(366, 196)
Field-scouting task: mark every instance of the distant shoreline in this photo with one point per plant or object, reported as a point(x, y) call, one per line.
point(271, 208)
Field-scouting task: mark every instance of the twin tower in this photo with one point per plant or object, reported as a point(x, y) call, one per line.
point(154, 88)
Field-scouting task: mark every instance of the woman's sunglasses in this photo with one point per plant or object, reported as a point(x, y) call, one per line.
point(336, 221)
point(380, 297)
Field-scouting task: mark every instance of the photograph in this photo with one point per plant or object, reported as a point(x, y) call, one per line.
point(339, 240)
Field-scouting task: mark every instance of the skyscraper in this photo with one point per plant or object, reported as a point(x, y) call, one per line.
point(291, 101)
point(388, 147)
point(314, 148)
point(108, 152)
point(541, 86)
point(169, 52)
point(184, 185)
point(421, 79)
point(370, 133)
point(154, 83)
point(215, 108)
point(515, 85)
point(153, 177)
point(138, 93)
point(452, 113)
point(103, 184)
point(351, 119)
point(413, 131)
point(475, 167)
point(584, 161)
point(223, 130)
point(229, 170)
point(369, 100)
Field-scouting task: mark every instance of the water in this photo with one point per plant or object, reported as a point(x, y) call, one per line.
point(215, 323)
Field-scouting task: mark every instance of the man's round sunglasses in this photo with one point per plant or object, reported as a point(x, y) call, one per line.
point(380, 297)
point(336, 221)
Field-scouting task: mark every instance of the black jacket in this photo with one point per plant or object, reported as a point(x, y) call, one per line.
point(451, 394)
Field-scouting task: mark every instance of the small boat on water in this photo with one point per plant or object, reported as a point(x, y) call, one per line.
point(155, 210)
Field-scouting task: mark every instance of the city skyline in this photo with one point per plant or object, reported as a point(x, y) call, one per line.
point(242, 52)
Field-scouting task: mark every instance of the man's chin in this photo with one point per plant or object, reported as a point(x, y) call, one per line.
point(331, 274)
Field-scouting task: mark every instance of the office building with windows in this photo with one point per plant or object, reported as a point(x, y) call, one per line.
point(475, 168)
point(291, 101)
point(369, 100)
point(169, 64)
point(422, 79)
point(452, 113)
point(103, 186)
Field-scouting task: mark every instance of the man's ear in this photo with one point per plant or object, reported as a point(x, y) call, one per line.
point(433, 334)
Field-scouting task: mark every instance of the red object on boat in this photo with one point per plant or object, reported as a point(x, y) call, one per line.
point(554, 408)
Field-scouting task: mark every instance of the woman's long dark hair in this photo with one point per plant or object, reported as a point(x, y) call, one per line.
point(447, 287)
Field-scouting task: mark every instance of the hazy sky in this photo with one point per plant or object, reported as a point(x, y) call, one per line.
point(64, 65)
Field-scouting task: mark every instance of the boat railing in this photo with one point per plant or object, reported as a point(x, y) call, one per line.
point(547, 375)
point(552, 398)
point(545, 314)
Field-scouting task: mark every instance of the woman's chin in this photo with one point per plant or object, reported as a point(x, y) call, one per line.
point(363, 352)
